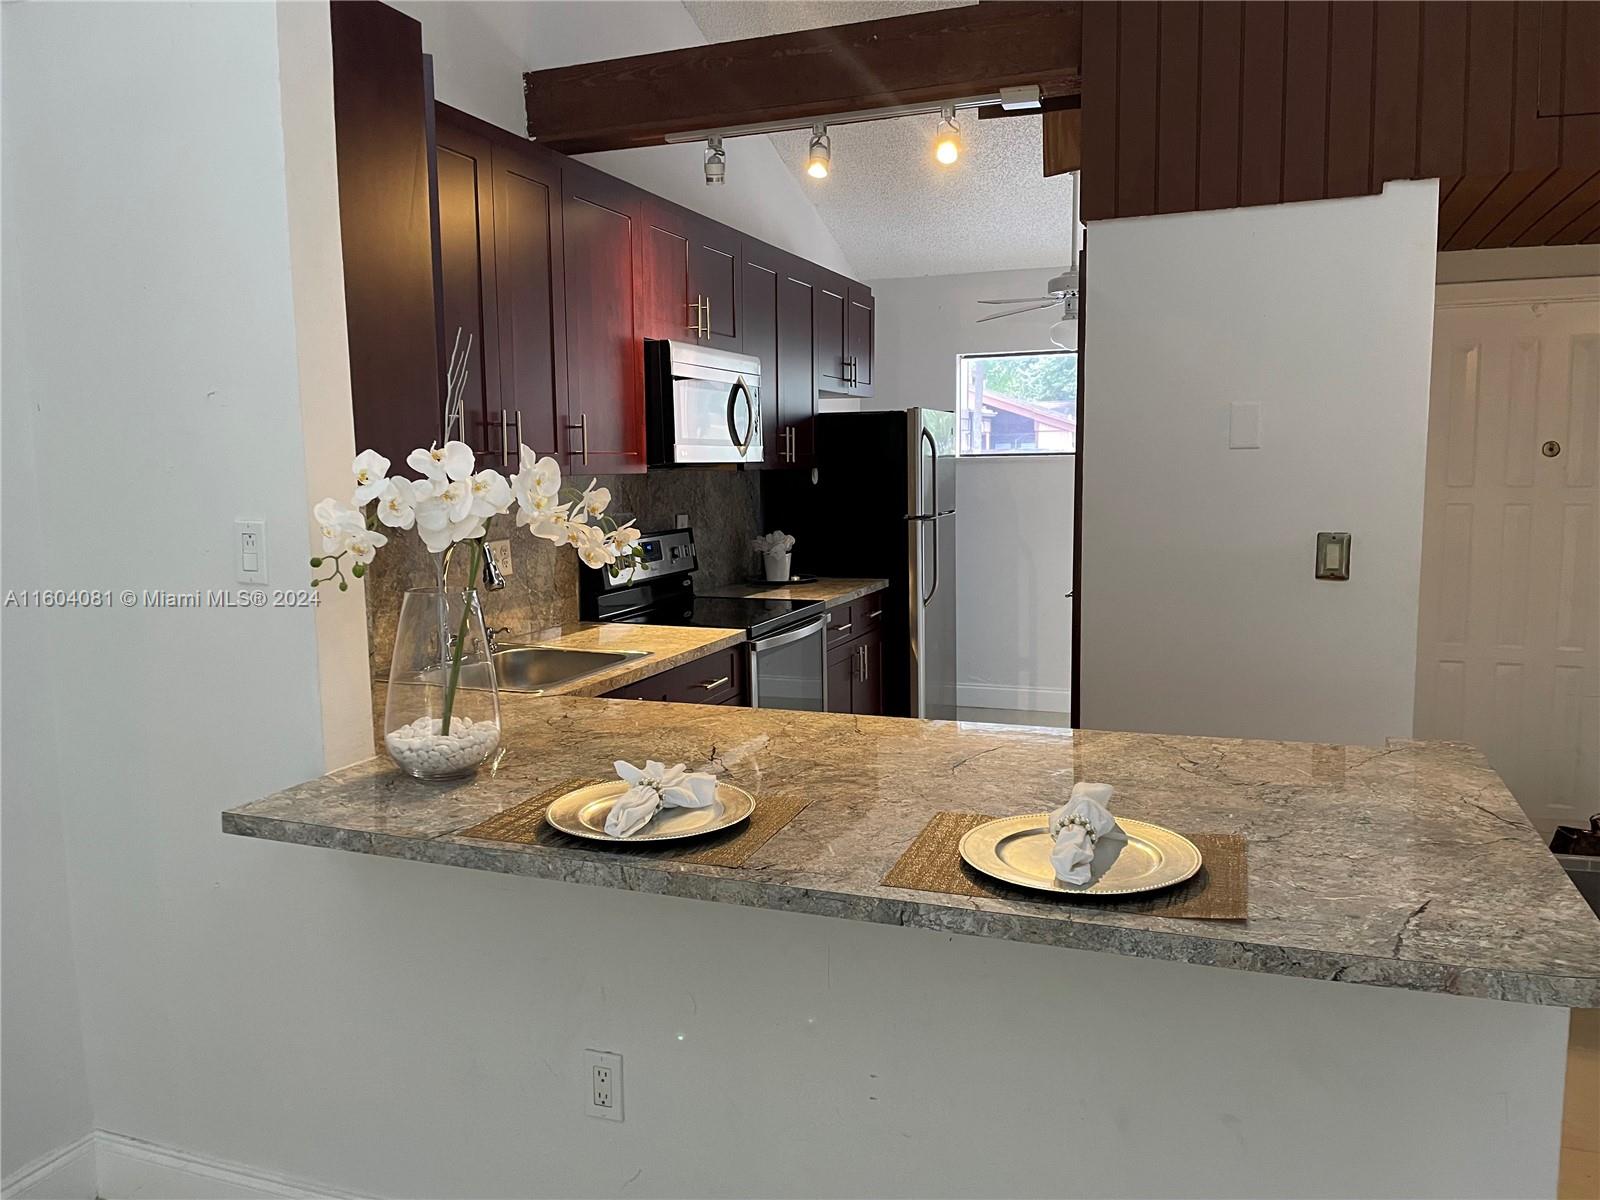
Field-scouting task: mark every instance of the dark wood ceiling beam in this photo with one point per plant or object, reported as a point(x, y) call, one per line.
point(920, 58)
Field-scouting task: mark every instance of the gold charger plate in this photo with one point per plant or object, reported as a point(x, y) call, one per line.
point(582, 813)
point(1016, 850)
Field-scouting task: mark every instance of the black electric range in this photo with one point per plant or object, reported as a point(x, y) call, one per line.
point(661, 592)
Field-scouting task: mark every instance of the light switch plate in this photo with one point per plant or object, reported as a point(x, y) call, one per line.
point(1333, 556)
point(1244, 426)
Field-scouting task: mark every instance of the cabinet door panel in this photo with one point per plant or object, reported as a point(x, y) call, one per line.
point(797, 366)
point(528, 288)
point(664, 295)
point(832, 316)
point(841, 679)
point(605, 358)
point(714, 278)
point(859, 332)
point(467, 282)
point(759, 318)
point(867, 696)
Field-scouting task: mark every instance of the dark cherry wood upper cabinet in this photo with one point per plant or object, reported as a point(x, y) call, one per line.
point(859, 330)
point(796, 393)
point(759, 319)
point(666, 308)
point(466, 279)
point(602, 237)
point(381, 147)
point(716, 281)
point(832, 332)
point(530, 303)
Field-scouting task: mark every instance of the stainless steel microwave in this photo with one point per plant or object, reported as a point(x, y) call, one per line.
point(701, 405)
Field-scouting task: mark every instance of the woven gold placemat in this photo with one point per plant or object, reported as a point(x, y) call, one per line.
point(524, 823)
point(1218, 892)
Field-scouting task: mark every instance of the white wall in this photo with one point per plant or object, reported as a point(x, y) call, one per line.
point(1014, 529)
point(1517, 262)
point(1200, 611)
point(151, 390)
point(481, 48)
point(45, 1098)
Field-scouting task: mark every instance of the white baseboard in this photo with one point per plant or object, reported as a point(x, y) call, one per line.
point(1034, 699)
point(65, 1174)
point(114, 1166)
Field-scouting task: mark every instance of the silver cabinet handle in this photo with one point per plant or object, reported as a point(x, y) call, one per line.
point(845, 628)
point(713, 685)
point(873, 616)
point(861, 664)
point(520, 442)
point(695, 308)
point(582, 424)
point(505, 431)
point(708, 316)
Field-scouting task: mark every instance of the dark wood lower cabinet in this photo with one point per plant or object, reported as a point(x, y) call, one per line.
point(720, 678)
point(855, 657)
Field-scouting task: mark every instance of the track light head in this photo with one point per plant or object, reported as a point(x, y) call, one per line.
point(820, 159)
point(716, 161)
point(947, 139)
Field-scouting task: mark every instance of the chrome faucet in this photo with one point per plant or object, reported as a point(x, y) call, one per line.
point(493, 632)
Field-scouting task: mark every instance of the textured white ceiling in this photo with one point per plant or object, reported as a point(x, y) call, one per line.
point(893, 210)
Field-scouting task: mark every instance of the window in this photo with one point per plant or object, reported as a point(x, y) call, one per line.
point(1018, 403)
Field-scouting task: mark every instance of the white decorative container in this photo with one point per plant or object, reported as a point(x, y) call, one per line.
point(777, 564)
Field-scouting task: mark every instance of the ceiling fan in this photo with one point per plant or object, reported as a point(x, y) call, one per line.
point(1061, 289)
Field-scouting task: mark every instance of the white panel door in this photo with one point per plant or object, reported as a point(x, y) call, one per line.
point(1508, 646)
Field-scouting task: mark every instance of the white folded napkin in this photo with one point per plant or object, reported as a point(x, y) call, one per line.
point(650, 790)
point(1078, 826)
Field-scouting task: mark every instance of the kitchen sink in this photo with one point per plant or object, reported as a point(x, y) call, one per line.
point(539, 668)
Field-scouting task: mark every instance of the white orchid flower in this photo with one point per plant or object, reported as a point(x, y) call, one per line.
point(536, 508)
point(364, 544)
point(546, 474)
point(455, 499)
point(490, 494)
point(369, 468)
point(592, 547)
point(337, 521)
point(552, 528)
point(397, 503)
point(624, 537)
point(595, 499)
point(452, 461)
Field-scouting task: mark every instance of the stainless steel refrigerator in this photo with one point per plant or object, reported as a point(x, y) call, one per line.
point(882, 502)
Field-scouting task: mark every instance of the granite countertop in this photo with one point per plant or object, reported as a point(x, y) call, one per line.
point(1409, 866)
point(832, 592)
point(665, 647)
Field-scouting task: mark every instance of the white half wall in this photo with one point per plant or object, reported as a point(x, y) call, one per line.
point(1200, 611)
point(1014, 523)
point(481, 48)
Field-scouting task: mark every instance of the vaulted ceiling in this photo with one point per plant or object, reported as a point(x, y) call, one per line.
point(891, 208)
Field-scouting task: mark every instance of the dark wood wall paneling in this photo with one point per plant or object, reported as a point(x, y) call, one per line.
point(1215, 105)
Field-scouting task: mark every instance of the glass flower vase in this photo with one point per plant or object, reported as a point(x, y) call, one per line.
point(441, 668)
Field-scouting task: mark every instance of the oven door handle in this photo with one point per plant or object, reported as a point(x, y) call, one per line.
point(791, 636)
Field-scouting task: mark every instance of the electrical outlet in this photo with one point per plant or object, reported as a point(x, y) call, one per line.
point(604, 1080)
point(250, 538)
point(500, 551)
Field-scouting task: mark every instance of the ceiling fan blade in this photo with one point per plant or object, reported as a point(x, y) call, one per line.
point(1024, 299)
point(1017, 312)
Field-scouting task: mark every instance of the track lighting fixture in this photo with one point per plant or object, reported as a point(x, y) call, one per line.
point(947, 139)
point(819, 161)
point(716, 161)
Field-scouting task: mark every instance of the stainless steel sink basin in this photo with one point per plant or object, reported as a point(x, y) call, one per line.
point(540, 668)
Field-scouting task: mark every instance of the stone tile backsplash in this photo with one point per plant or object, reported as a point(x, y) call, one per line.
point(724, 506)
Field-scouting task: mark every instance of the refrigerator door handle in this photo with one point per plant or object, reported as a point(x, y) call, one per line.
point(933, 471)
point(934, 589)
